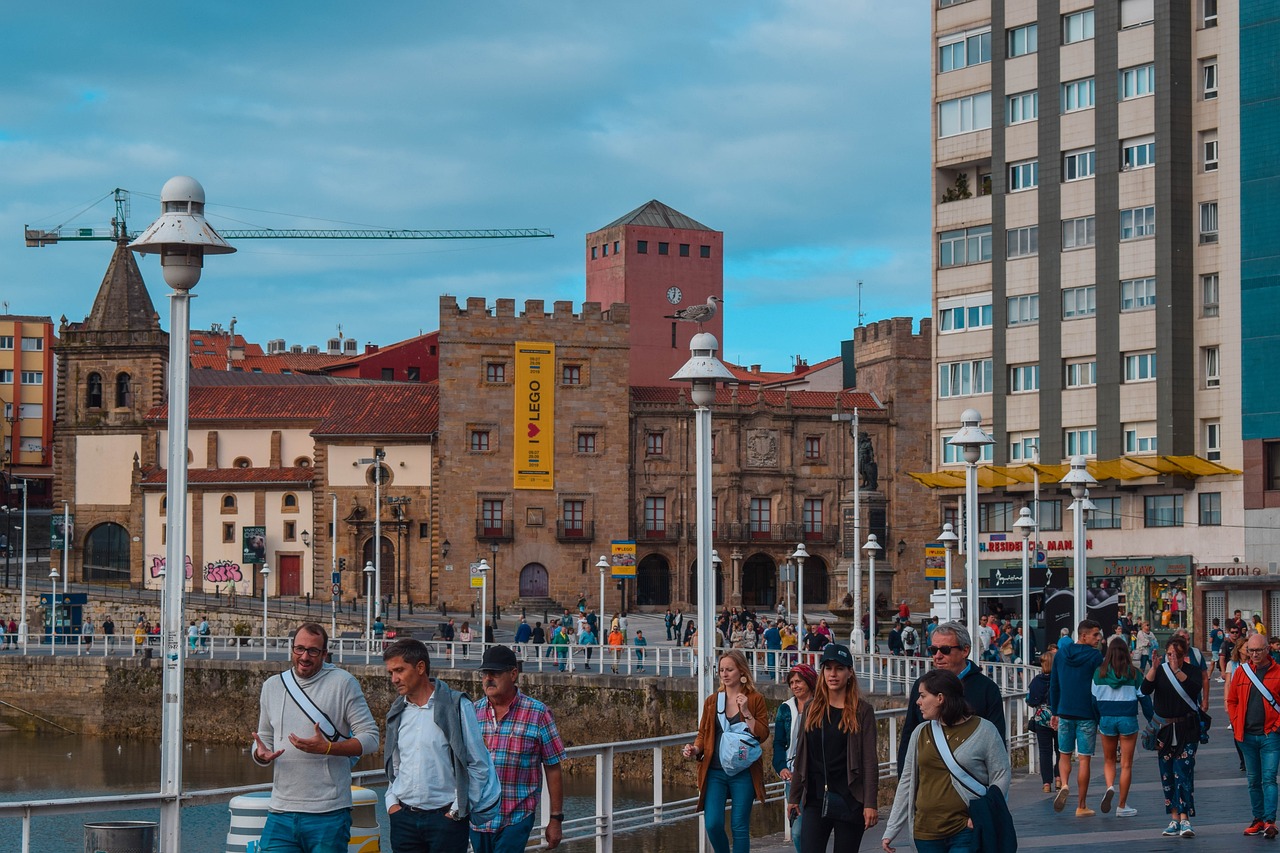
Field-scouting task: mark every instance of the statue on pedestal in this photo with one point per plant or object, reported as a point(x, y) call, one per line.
point(867, 468)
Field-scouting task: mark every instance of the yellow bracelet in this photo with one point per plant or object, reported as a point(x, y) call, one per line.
point(328, 748)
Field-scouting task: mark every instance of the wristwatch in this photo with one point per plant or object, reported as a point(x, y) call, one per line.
point(559, 817)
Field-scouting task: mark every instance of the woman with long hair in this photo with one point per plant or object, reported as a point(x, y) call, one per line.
point(1046, 737)
point(837, 769)
point(788, 729)
point(464, 636)
point(1179, 737)
point(931, 806)
point(716, 788)
point(1116, 696)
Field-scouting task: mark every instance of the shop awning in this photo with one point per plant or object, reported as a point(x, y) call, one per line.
point(1123, 469)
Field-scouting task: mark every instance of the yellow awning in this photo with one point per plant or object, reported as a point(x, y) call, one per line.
point(1123, 469)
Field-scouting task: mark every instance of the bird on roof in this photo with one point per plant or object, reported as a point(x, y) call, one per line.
point(697, 313)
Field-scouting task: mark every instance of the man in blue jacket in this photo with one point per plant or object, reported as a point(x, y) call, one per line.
point(1071, 701)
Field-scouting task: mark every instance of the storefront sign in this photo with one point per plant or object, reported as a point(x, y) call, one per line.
point(1014, 546)
point(1140, 567)
point(1234, 570)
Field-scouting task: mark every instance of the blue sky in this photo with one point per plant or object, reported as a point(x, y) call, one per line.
point(800, 128)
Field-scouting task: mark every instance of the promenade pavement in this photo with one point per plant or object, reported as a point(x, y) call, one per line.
point(1221, 800)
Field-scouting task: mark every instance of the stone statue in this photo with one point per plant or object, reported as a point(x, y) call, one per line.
point(868, 470)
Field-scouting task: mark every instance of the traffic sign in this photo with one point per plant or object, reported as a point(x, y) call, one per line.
point(336, 590)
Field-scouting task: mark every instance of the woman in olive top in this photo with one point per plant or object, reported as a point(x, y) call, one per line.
point(836, 773)
point(944, 827)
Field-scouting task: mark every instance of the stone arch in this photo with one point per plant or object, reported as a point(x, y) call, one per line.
point(760, 582)
point(106, 553)
point(534, 581)
point(124, 390)
point(388, 567)
point(816, 581)
point(653, 581)
point(93, 391)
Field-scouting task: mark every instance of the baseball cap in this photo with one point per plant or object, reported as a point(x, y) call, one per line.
point(837, 653)
point(498, 659)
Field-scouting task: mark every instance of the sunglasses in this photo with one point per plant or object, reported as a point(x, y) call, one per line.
point(944, 650)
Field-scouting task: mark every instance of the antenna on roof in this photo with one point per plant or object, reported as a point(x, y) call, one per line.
point(861, 315)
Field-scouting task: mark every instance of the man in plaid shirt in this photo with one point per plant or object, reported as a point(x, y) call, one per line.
point(520, 733)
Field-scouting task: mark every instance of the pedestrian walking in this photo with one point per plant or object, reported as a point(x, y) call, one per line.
point(464, 637)
point(1071, 700)
point(1041, 725)
point(788, 728)
point(1170, 684)
point(640, 642)
point(1254, 713)
point(1118, 700)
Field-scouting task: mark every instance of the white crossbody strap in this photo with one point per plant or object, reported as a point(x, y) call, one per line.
point(1258, 685)
point(299, 696)
point(944, 749)
point(1173, 679)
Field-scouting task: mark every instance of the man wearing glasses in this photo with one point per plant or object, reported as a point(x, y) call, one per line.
point(1253, 709)
point(313, 750)
point(1228, 649)
point(950, 651)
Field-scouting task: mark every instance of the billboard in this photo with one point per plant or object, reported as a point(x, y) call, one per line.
point(534, 412)
point(935, 561)
point(253, 545)
point(623, 558)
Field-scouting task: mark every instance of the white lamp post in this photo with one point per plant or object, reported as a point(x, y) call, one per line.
point(333, 568)
point(800, 555)
point(603, 565)
point(1026, 525)
point(948, 538)
point(22, 602)
point(703, 370)
point(66, 542)
point(53, 610)
point(182, 238)
point(483, 569)
point(971, 440)
point(265, 572)
point(1079, 479)
point(369, 572)
point(872, 547)
point(376, 461)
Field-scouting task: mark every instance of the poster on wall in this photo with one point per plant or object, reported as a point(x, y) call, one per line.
point(623, 558)
point(534, 412)
point(254, 545)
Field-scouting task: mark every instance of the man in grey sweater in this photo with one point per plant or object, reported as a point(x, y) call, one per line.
point(312, 749)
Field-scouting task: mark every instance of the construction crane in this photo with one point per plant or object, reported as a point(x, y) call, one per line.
point(37, 238)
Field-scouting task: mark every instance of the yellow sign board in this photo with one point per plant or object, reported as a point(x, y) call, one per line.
point(623, 557)
point(535, 433)
point(935, 561)
point(477, 579)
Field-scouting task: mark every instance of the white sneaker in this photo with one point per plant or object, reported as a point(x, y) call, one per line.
point(1126, 811)
point(1107, 797)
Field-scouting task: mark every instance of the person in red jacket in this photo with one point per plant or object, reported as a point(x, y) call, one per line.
point(1255, 723)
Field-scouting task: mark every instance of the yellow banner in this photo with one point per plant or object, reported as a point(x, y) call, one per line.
point(534, 410)
point(935, 561)
point(623, 557)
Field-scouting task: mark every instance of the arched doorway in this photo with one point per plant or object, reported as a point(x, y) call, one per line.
point(534, 582)
point(693, 584)
point(106, 554)
point(653, 582)
point(816, 589)
point(386, 571)
point(760, 582)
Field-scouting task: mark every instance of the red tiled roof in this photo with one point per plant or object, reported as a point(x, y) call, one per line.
point(373, 408)
point(744, 374)
point(349, 361)
point(217, 343)
point(214, 476)
point(747, 396)
point(278, 363)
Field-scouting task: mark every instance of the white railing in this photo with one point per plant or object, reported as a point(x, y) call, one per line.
point(603, 824)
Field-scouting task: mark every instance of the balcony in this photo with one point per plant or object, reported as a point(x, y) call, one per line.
point(575, 531)
point(737, 532)
point(501, 531)
point(666, 533)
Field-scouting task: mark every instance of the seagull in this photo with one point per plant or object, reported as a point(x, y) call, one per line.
point(697, 313)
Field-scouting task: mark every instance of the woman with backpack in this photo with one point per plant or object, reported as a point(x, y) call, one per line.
point(1179, 737)
point(1117, 699)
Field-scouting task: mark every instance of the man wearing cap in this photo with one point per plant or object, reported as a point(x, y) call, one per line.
point(950, 651)
point(438, 770)
point(522, 736)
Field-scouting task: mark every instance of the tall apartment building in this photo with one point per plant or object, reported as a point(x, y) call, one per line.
point(1093, 168)
point(26, 391)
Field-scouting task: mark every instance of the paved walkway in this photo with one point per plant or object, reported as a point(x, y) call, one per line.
point(1222, 810)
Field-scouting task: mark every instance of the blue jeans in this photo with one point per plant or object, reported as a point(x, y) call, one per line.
point(961, 842)
point(1261, 755)
point(721, 787)
point(509, 839)
point(427, 832)
point(287, 832)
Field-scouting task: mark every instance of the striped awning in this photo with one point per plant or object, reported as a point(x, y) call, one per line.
point(1125, 468)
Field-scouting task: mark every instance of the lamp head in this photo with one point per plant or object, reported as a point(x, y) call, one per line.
point(703, 370)
point(483, 567)
point(1025, 523)
point(715, 559)
point(265, 570)
point(444, 548)
point(53, 573)
point(602, 564)
point(800, 553)
point(948, 537)
point(872, 545)
point(971, 439)
point(181, 236)
point(1079, 478)
point(368, 568)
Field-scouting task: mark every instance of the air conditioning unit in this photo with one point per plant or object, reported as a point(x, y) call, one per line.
point(334, 346)
point(296, 349)
point(276, 346)
point(313, 350)
point(349, 346)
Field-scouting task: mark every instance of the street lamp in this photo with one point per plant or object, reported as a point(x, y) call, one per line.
point(182, 238)
point(603, 565)
point(53, 609)
point(702, 371)
point(493, 564)
point(1026, 525)
point(971, 441)
point(22, 607)
point(333, 568)
point(376, 461)
point(369, 572)
point(948, 538)
point(1079, 479)
point(483, 569)
point(800, 555)
point(265, 571)
point(872, 547)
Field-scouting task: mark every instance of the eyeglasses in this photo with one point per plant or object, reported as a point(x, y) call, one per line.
point(307, 651)
point(944, 650)
point(1257, 651)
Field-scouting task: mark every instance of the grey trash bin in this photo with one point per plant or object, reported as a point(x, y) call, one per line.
point(120, 836)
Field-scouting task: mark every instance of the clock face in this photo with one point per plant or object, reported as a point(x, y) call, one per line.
point(674, 295)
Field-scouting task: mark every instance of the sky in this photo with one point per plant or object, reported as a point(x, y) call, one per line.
point(799, 128)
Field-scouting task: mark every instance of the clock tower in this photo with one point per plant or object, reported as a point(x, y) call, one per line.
point(657, 260)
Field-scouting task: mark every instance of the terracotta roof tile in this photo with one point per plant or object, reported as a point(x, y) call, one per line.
point(231, 476)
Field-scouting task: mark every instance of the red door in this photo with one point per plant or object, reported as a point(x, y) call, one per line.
point(290, 574)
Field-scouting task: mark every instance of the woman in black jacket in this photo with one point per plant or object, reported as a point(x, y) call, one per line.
point(1046, 737)
point(1179, 736)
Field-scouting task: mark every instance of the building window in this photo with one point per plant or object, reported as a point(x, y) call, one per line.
point(604, 250)
point(1078, 164)
point(1022, 40)
point(963, 49)
point(1210, 10)
point(32, 377)
point(1024, 176)
point(760, 517)
point(1272, 456)
point(964, 312)
point(1077, 95)
point(1212, 367)
point(964, 115)
point(811, 516)
point(491, 517)
point(704, 251)
point(1081, 374)
point(1137, 222)
point(6, 342)
point(571, 374)
point(1024, 378)
point(1209, 150)
point(1209, 78)
point(1078, 26)
point(479, 440)
point(813, 447)
point(1079, 302)
point(964, 378)
point(1050, 515)
point(228, 503)
point(1078, 233)
point(1138, 81)
point(424, 530)
point(228, 531)
point(1022, 448)
point(1081, 442)
point(573, 517)
point(1024, 106)
point(1211, 509)
point(642, 247)
point(290, 531)
point(1023, 310)
point(1213, 441)
point(653, 443)
point(1140, 438)
point(655, 516)
point(1209, 294)
point(1024, 242)
point(31, 345)
point(615, 247)
point(1136, 13)
point(664, 248)
point(93, 397)
point(495, 371)
point(595, 252)
point(1137, 153)
point(1208, 222)
point(952, 455)
point(1106, 516)
point(586, 442)
point(124, 391)
point(684, 250)
point(1163, 510)
point(995, 517)
point(1137, 294)
point(964, 246)
point(1140, 367)
point(289, 503)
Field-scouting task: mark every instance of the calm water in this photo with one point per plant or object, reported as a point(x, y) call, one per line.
point(50, 767)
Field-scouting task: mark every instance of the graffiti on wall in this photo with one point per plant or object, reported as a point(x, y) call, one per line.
point(221, 571)
point(157, 566)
